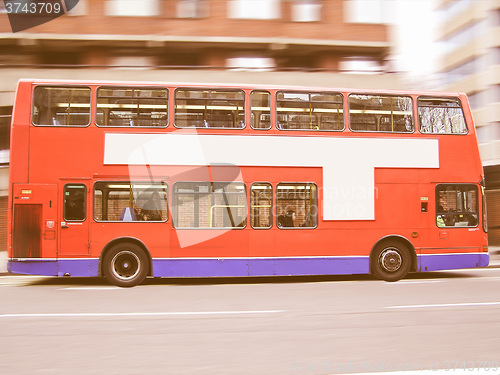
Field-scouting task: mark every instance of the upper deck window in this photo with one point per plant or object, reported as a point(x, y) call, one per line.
point(260, 103)
point(379, 113)
point(310, 111)
point(129, 106)
point(60, 106)
point(441, 115)
point(206, 108)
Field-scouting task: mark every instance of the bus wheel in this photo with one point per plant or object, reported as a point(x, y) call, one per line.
point(125, 265)
point(391, 261)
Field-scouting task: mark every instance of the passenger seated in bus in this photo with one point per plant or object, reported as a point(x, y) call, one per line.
point(287, 220)
point(151, 210)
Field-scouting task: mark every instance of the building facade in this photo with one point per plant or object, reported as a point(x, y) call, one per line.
point(469, 41)
point(337, 43)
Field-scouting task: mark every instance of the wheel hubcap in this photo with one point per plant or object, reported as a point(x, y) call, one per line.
point(126, 265)
point(390, 260)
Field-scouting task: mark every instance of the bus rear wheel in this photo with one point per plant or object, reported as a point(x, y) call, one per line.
point(125, 265)
point(391, 261)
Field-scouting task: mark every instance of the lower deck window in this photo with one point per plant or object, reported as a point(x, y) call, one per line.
point(297, 205)
point(130, 201)
point(209, 205)
point(457, 205)
point(261, 203)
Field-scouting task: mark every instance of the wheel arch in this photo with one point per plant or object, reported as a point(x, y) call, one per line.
point(116, 241)
point(401, 239)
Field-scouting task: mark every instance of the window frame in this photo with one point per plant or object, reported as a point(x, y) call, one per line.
point(270, 109)
point(271, 213)
point(437, 204)
point(158, 88)
point(210, 90)
point(162, 184)
point(80, 185)
point(440, 98)
point(412, 110)
point(310, 93)
point(276, 205)
point(211, 193)
point(91, 102)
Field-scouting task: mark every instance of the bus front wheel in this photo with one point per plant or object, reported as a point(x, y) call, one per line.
point(125, 265)
point(391, 261)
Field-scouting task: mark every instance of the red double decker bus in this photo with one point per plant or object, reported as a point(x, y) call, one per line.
point(129, 180)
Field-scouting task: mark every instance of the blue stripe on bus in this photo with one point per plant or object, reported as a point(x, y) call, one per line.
point(52, 267)
point(235, 267)
point(439, 262)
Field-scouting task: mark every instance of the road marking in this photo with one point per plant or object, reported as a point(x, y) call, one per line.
point(444, 305)
point(449, 370)
point(416, 282)
point(93, 288)
point(138, 314)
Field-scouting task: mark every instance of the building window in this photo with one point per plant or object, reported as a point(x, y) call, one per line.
point(260, 106)
point(130, 201)
point(306, 11)
point(60, 106)
point(297, 205)
point(132, 8)
point(218, 205)
point(441, 115)
point(128, 106)
point(456, 206)
point(209, 108)
point(367, 11)
point(377, 113)
point(364, 64)
point(261, 205)
point(79, 9)
point(309, 111)
point(251, 63)
point(192, 9)
point(254, 9)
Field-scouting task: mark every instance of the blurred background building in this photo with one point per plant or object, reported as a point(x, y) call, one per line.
point(468, 36)
point(336, 43)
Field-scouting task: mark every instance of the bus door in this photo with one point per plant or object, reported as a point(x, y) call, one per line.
point(74, 233)
point(34, 231)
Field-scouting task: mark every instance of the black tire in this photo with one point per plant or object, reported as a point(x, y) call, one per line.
point(391, 261)
point(125, 265)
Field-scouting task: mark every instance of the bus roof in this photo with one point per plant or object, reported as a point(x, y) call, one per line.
point(237, 85)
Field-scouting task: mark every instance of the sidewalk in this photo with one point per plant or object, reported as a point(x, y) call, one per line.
point(494, 259)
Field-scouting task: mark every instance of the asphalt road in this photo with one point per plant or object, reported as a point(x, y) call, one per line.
point(326, 325)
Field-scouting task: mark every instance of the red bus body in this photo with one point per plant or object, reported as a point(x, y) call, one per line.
point(47, 160)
